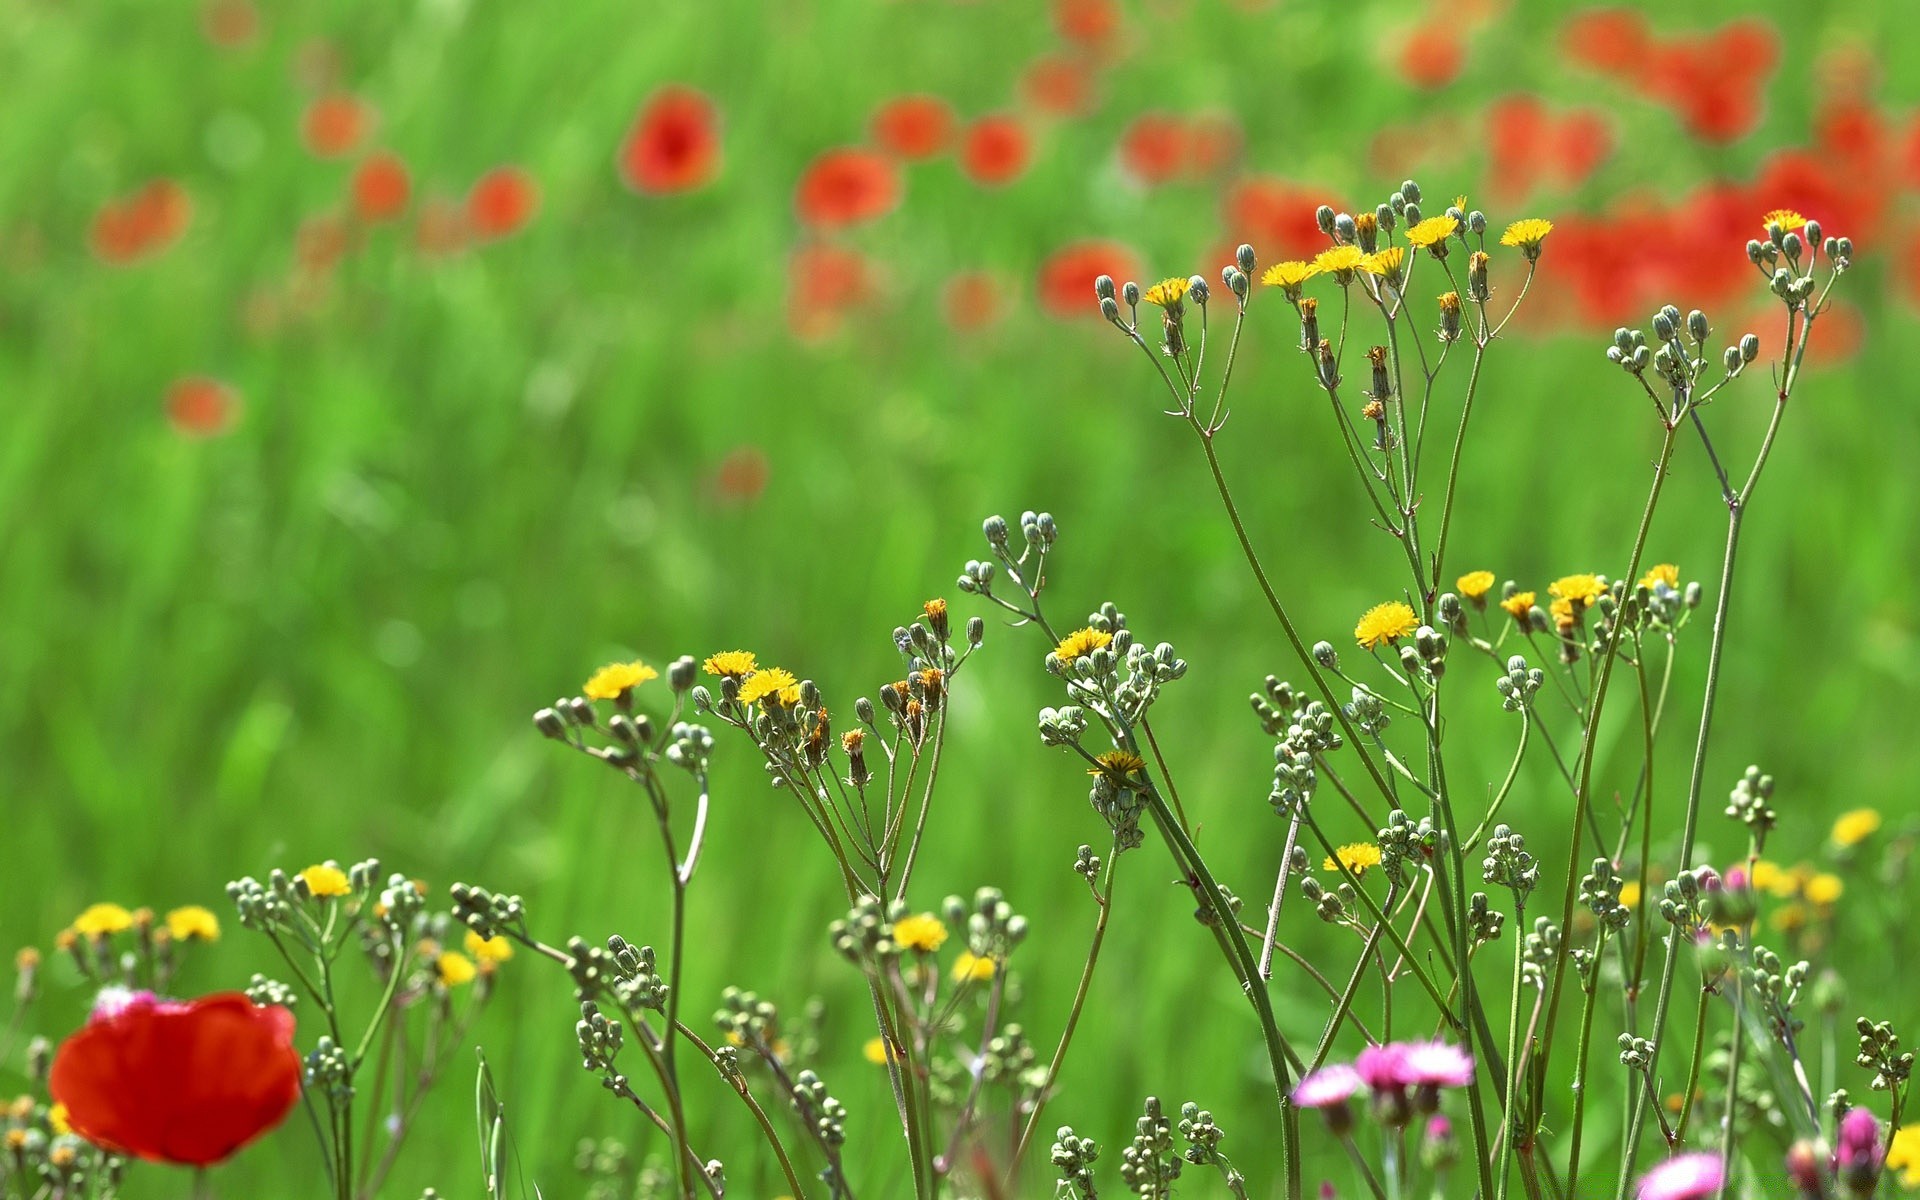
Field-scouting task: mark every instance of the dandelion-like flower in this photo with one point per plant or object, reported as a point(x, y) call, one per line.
point(923, 932)
point(1693, 1176)
point(616, 679)
point(1082, 642)
point(1823, 889)
point(1432, 233)
point(325, 881)
point(972, 967)
point(193, 923)
point(1519, 605)
point(875, 1051)
point(1290, 276)
point(1855, 826)
point(1786, 218)
point(1326, 1087)
point(1666, 573)
point(1565, 615)
point(1580, 590)
point(102, 920)
point(1117, 763)
point(773, 684)
point(1903, 1155)
point(1390, 264)
point(730, 664)
point(1384, 623)
point(1527, 235)
point(1341, 262)
point(1475, 585)
point(454, 969)
point(488, 949)
point(1355, 857)
point(1167, 293)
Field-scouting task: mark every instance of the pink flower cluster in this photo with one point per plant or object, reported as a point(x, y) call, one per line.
point(1387, 1072)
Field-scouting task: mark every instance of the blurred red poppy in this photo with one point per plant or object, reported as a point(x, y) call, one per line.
point(1616, 41)
point(1060, 85)
point(1213, 143)
point(1841, 200)
point(141, 224)
point(1715, 82)
point(674, 145)
point(335, 124)
point(824, 282)
point(1855, 132)
point(1089, 23)
point(1432, 55)
point(1154, 149)
point(742, 475)
point(1581, 141)
point(847, 186)
point(1066, 277)
point(381, 187)
point(996, 151)
point(185, 1083)
point(229, 24)
point(201, 407)
point(913, 127)
point(1276, 216)
point(970, 301)
point(501, 202)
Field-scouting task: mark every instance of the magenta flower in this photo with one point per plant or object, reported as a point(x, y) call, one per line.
point(1695, 1176)
point(1858, 1155)
point(1327, 1087)
point(1436, 1064)
point(1383, 1068)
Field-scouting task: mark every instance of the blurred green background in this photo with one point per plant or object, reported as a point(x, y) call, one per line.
point(458, 483)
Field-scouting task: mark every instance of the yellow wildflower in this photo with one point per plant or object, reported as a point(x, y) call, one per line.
point(1384, 623)
point(1855, 827)
point(58, 1121)
point(1389, 264)
point(1785, 218)
point(102, 920)
point(771, 683)
point(1578, 589)
point(489, 950)
point(1789, 918)
point(1432, 232)
point(1903, 1155)
point(1770, 877)
point(735, 663)
point(326, 880)
point(1565, 615)
point(1519, 605)
point(924, 933)
point(971, 966)
point(1527, 235)
point(1289, 276)
point(1341, 262)
point(1665, 573)
point(1167, 293)
point(454, 969)
point(1117, 762)
point(191, 922)
point(1630, 894)
point(1082, 642)
point(875, 1051)
point(1823, 889)
point(1355, 857)
point(1475, 585)
point(617, 679)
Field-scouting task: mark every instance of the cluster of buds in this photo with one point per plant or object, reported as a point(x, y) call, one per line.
point(1519, 684)
point(1751, 804)
point(1073, 1157)
point(1880, 1053)
point(1600, 894)
point(1508, 864)
point(993, 928)
point(1149, 1165)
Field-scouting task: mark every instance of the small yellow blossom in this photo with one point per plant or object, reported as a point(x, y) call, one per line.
point(1082, 642)
point(1385, 622)
point(1527, 235)
point(735, 663)
point(1519, 606)
point(1903, 1155)
point(1789, 918)
point(1823, 889)
point(1855, 827)
point(1630, 894)
point(454, 968)
point(1775, 880)
point(1578, 589)
point(1565, 615)
point(875, 1051)
point(1116, 762)
point(1289, 276)
point(1475, 585)
point(617, 679)
point(771, 683)
point(1666, 573)
point(489, 950)
point(102, 920)
point(971, 966)
point(1341, 262)
point(1389, 264)
point(924, 933)
point(58, 1121)
point(191, 922)
point(1785, 218)
point(326, 880)
point(1356, 857)
point(1432, 232)
point(1167, 293)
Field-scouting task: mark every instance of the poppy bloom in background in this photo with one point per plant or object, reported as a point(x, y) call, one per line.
point(201, 407)
point(1066, 277)
point(1615, 41)
point(229, 24)
point(847, 186)
point(141, 224)
point(441, 227)
point(1213, 143)
point(1432, 55)
point(996, 150)
point(970, 301)
point(175, 1082)
point(1715, 82)
point(1276, 216)
point(335, 124)
point(824, 282)
point(742, 474)
point(320, 242)
point(1091, 24)
point(501, 202)
point(1154, 148)
point(1059, 85)
point(381, 188)
point(674, 145)
point(912, 127)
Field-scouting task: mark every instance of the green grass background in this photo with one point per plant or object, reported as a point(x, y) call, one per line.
point(322, 635)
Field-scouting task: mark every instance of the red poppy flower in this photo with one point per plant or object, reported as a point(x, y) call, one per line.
point(1612, 40)
point(824, 282)
point(501, 202)
point(1060, 85)
point(175, 1082)
point(201, 407)
point(1066, 277)
point(847, 186)
point(335, 124)
point(1841, 200)
point(1580, 143)
point(1852, 130)
point(1518, 128)
point(141, 224)
point(1432, 55)
point(1276, 216)
point(742, 475)
point(381, 188)
point(913, 127)
point(970, 301)
point(229, 24)
point(674, 145)
point(1213, 143)
point(1154, 148)
point(1089, 23)
point(996, 151)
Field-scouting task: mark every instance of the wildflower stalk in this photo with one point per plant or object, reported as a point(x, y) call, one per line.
point(1693, 1071)
point(1587, 988)
point(1347, 994)
point(1510, 1125)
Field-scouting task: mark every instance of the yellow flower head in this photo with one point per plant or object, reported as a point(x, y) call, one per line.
point(1630, 894)
point(772, 684)
point(191, 922)
point(875, 1051)
point(1432, 232)
point(1527, 235)
point(735, 663)
point(1341, 262)
point(1082, 642)
point(1475, 585)
point(1389, 264)
point(617, 679)
point(1770, 877)
point(326, 880)
point(1117, 762)
point(1519, 605)
point(58, 1121)
point(102, 920)
point(454, 969)
point(489, 950)
point(1665, 573)
point(1785, 218)
point(1903, 1155)
point(971, 966)
point(924, 933)
point(1823, 889)
point(1855, 827)
point(1355, 857)
point(1564, 614)
point(1385, 622)
point(1167, 293)
point(1580, 590)
point(1289, 276)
